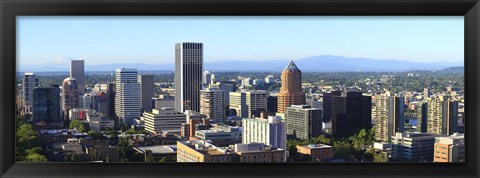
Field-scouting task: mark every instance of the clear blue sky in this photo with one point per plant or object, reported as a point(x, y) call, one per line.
point(102, 40)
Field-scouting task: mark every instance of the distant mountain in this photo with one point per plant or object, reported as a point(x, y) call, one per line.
point(325, 63)
point(457, 69)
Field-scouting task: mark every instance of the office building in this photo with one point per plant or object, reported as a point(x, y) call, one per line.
point(127, 97)
point(327, 104)
point(77, 71)
point(213, 103)
point(389, 117)
point(188, 76)
point(100, 103)
point(163, 120)
point(413, 146)
point(46, 104)
point(147, 88)
point(303, 122)
point(30, 81)
point(450, 149)
point(350, 113)
point(194, 119)
point(70, 96)
point(316, 152)
point(442, 115)
point(271, 131)
point(98, 121)
point(291, 92)
point(248, 103)
point(272, 103)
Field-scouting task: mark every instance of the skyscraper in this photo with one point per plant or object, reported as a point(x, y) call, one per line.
point(77, 71)
point(422, 116)
point(147, 85)
point(127, 97)
point(350, 113)
point(327, 104)
point(46, 104)
point(213, 103)
point(389, 117)
point(303, 122)
point(30, 81)
point(188, 76)
point(70, 97)
point(442, 115)
point(291, 91)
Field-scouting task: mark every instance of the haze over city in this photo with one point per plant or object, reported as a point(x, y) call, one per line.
point(53, 41)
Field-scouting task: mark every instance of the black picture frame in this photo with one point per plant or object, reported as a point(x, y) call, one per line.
point(9, 9)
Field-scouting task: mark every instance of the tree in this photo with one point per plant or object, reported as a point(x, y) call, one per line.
point(79, 125)
point(379, 157)
point(27, 138)
point(149, 159)
point(95, 135)
point(35, 157)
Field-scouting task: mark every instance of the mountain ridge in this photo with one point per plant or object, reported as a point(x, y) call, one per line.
point(322, 63)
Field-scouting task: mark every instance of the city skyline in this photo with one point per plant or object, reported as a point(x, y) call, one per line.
point(103, 40)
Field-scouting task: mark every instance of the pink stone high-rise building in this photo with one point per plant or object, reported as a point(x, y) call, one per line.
point(69, 95)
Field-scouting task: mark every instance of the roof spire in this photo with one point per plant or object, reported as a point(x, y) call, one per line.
point(292, 66)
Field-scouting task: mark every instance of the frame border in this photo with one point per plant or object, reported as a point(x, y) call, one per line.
point(9, 9)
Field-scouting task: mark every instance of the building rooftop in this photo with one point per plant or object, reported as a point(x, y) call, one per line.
point(292, 66)
point(159, 149)
point(316, 146)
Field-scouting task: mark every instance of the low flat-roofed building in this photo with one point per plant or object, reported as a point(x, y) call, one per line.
point(221, 135)
point(413, 146)
point(317, 152)
point(158, 151)
point(204, 151)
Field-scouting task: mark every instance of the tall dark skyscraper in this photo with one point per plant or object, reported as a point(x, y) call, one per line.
point(147, 87)
point(77, 71)
point(111, 99)
point(46, 104)
point(327, 104)
point(350, 113)
point(188, 76)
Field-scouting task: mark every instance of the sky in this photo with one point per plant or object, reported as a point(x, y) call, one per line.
point(151, 39)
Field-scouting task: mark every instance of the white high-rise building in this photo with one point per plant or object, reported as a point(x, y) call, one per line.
point(271, 131)
point(213, 103)
point(77, 71)
point(207, 78)
point(127, 97)
point(188, 76)
point(30, 81)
